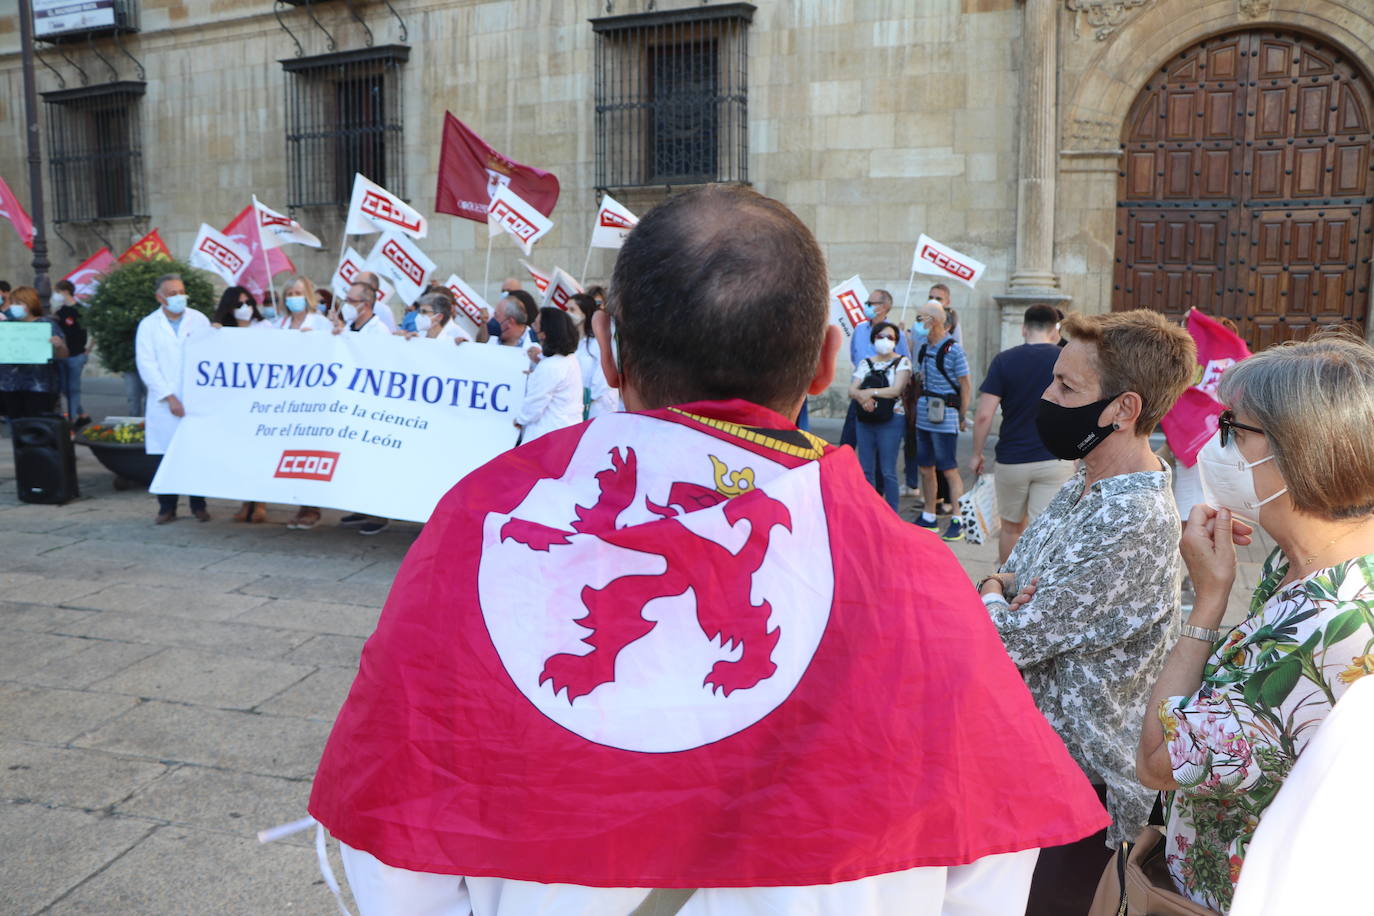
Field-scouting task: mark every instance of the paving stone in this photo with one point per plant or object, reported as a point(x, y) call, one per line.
point(204, 678)
point(39, 589)
point(319, 696)
point(222, 800)
point(206, 581)
point(22, 652)
point(70, 777)
point(55, 716)
point(160, 549)
point(97, 659)
point(227, 638)
point(381, 572)
point(39, 619)
point(14, 544)
point(304, 589)
point(180, 601)
point(329, 651)
point(330, 569)
point(270, 745)
point(314, 616)
point(48, 851)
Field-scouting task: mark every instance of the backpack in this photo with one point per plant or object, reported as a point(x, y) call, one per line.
point(882, 407)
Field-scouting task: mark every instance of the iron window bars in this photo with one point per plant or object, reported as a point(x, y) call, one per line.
point(95, 156)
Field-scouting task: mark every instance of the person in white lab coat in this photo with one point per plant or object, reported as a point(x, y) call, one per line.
point(598, 397)
point(157, 352)
point(553, 394)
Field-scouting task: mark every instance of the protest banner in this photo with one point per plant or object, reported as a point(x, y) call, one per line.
point(339, 420)
point(12, 210)
point(214, 251)
point(86, 277)
point(470, 171)
point(375, 209)
point(560, 292)
point(509, 213)
point(470, 305)
point(398, 259)
point(847, 305)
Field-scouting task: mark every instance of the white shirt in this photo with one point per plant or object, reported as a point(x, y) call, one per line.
point(553, 397)
point(452, 331)
point(374, 325)
point(604, 398)
point(314, 321)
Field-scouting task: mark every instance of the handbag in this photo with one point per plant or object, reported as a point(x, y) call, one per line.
point(882, 407)
point(1137, 883)
point(978, 511)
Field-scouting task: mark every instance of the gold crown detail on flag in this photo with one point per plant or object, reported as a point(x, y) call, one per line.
point(731, 483)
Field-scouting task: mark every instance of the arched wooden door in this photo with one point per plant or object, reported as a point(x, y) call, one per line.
point(1245, 188)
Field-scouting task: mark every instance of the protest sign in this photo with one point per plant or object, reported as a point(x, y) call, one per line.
point(339, 420)
point(25, 342)
point(847, 305)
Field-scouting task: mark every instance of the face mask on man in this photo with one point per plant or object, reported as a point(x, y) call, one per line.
point(1070, 433)
point(349, 313)
point(296, 304)
point(1228, 480)
point(58, 300)
point(269, 311)
point(884, 346)
point(423, 323)
point(870, 311)
point(19, 312)
point(243, 313)
point(176, 304)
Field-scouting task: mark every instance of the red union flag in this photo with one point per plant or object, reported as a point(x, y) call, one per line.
point(943, 261)
point(613, 224)
point(560, 291)
point(470, 172)
point(86, 276)
point(469, 303)
point(149, 248)
point(1193, 418)
point(400, 260)
point(215, 251)
point(541, 279)
point(279, 229)
point(12, 210)
point(510, 214)
point(847, 305)
point(375, 209)
point(307, 465)
point(256, 279)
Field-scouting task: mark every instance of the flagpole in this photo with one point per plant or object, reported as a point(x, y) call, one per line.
point(587, 263)
point(907, 299)
point(486, 271)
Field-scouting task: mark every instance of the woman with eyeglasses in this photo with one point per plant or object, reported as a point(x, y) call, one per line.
point(236, 309)
point(1233, 710)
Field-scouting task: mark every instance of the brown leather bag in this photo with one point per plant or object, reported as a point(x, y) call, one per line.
point(1148, 889)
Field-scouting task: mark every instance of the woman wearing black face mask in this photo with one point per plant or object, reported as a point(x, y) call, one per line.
point(1088, 602)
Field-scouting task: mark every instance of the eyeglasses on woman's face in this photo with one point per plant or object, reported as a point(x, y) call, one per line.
point(1227, 422)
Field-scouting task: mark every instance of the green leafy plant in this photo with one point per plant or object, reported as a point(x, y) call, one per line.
point(121, 434)
point(125, 296)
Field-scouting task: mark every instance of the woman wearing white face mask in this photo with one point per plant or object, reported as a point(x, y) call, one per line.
point(301, 309)
point(877, 388)
point(1232, 711)
point(236, 309)
point(434, 320)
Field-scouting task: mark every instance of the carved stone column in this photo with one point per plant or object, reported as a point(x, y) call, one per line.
point(1033, 280)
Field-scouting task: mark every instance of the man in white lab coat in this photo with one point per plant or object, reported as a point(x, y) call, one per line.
point(157, 351)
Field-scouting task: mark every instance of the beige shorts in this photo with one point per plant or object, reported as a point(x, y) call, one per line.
point(1024, 490)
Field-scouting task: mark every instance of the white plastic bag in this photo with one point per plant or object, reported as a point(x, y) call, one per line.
point(978, 510)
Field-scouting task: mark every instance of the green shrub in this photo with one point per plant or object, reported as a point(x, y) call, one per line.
point(125, 296)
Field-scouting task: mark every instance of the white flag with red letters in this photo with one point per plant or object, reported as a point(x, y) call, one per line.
point(613, 224)
point(375, 209)
point(942, 261)
point(401, 261)
point(470, 305)
point(278, 229)
point(215, 251)
point(509, 213)
point(847, 305)
point(560, 291)
point(350, 266)
point(541, 279)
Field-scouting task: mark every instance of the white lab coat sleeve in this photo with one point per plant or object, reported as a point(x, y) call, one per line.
point(543, 379)
point(146, 358)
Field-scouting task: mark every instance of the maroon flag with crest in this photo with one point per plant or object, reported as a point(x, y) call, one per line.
point(470, 172)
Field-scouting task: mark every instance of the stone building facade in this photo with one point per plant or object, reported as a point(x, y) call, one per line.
point(1083, 149)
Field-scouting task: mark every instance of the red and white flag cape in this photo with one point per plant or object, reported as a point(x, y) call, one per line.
point(278, 229)
point(613, 223)
point(88, 274)
point(470, 171)
point(12, 210)
point(1193, 418)
point(847, 305)
point(560, 292)
point(540, 278)
point(215, 251)
point(667, 655)
point(257, 279)
point(510, 214)
point(375, 209)
point(399, 260)
point(933, 258)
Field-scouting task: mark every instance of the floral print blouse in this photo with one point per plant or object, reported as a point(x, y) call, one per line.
point(1267, 685)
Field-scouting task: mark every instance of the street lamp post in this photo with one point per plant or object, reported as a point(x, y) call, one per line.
point(40, 238)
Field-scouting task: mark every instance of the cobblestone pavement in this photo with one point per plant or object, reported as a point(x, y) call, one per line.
point(165, 692)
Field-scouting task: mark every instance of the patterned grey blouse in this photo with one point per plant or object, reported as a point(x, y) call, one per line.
point(1093, 640)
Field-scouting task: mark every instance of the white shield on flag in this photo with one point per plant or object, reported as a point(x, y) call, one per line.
point(613, 224)
point(510, 213)
point(278, 229)
point(495, 182)
point(375, 209)
point(215, 251)
point(470, 305)
point(400, 260)
point(350, 266)
point(847, 304)
point(560, 291)
point(541, 279)
point(942, 261)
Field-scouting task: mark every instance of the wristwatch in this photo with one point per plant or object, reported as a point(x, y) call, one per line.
point(1207, 636)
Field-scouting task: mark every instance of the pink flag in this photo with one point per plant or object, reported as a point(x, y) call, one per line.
point(255, 278)
point(12, 210)
point(1193, 419)
point(86, 276)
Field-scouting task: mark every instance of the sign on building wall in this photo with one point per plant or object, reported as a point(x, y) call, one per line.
point(59, 17)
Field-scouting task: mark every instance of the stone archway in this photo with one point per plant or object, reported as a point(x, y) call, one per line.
point(1244, 186)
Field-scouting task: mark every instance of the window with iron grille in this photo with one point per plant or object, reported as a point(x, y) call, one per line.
point(672, 96)
point(343, 115)
point(95, 152)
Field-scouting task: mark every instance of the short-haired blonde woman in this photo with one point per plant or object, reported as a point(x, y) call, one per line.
point(1093, 584)
point(1231, 712)
point(301, 312)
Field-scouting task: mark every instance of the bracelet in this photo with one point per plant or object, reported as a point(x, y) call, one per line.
point(1207, 636)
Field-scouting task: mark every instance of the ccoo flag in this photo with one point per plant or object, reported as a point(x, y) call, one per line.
point(375, 209)
point(933, 258)
point(1193, 418)
point(470, 172)
point(473, 306)
point(215, 251)
point(350, 265)
point(279, 229)
point(847, 305)
point(613, 223)
point(400, 260)
point(510, 213)
point(541, 279)
point(560, 292)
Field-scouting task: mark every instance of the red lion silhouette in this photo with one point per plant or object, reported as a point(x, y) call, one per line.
point(721, 581)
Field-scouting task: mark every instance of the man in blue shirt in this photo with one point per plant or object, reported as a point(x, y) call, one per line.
point(1027, 475)
point(940, 411)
